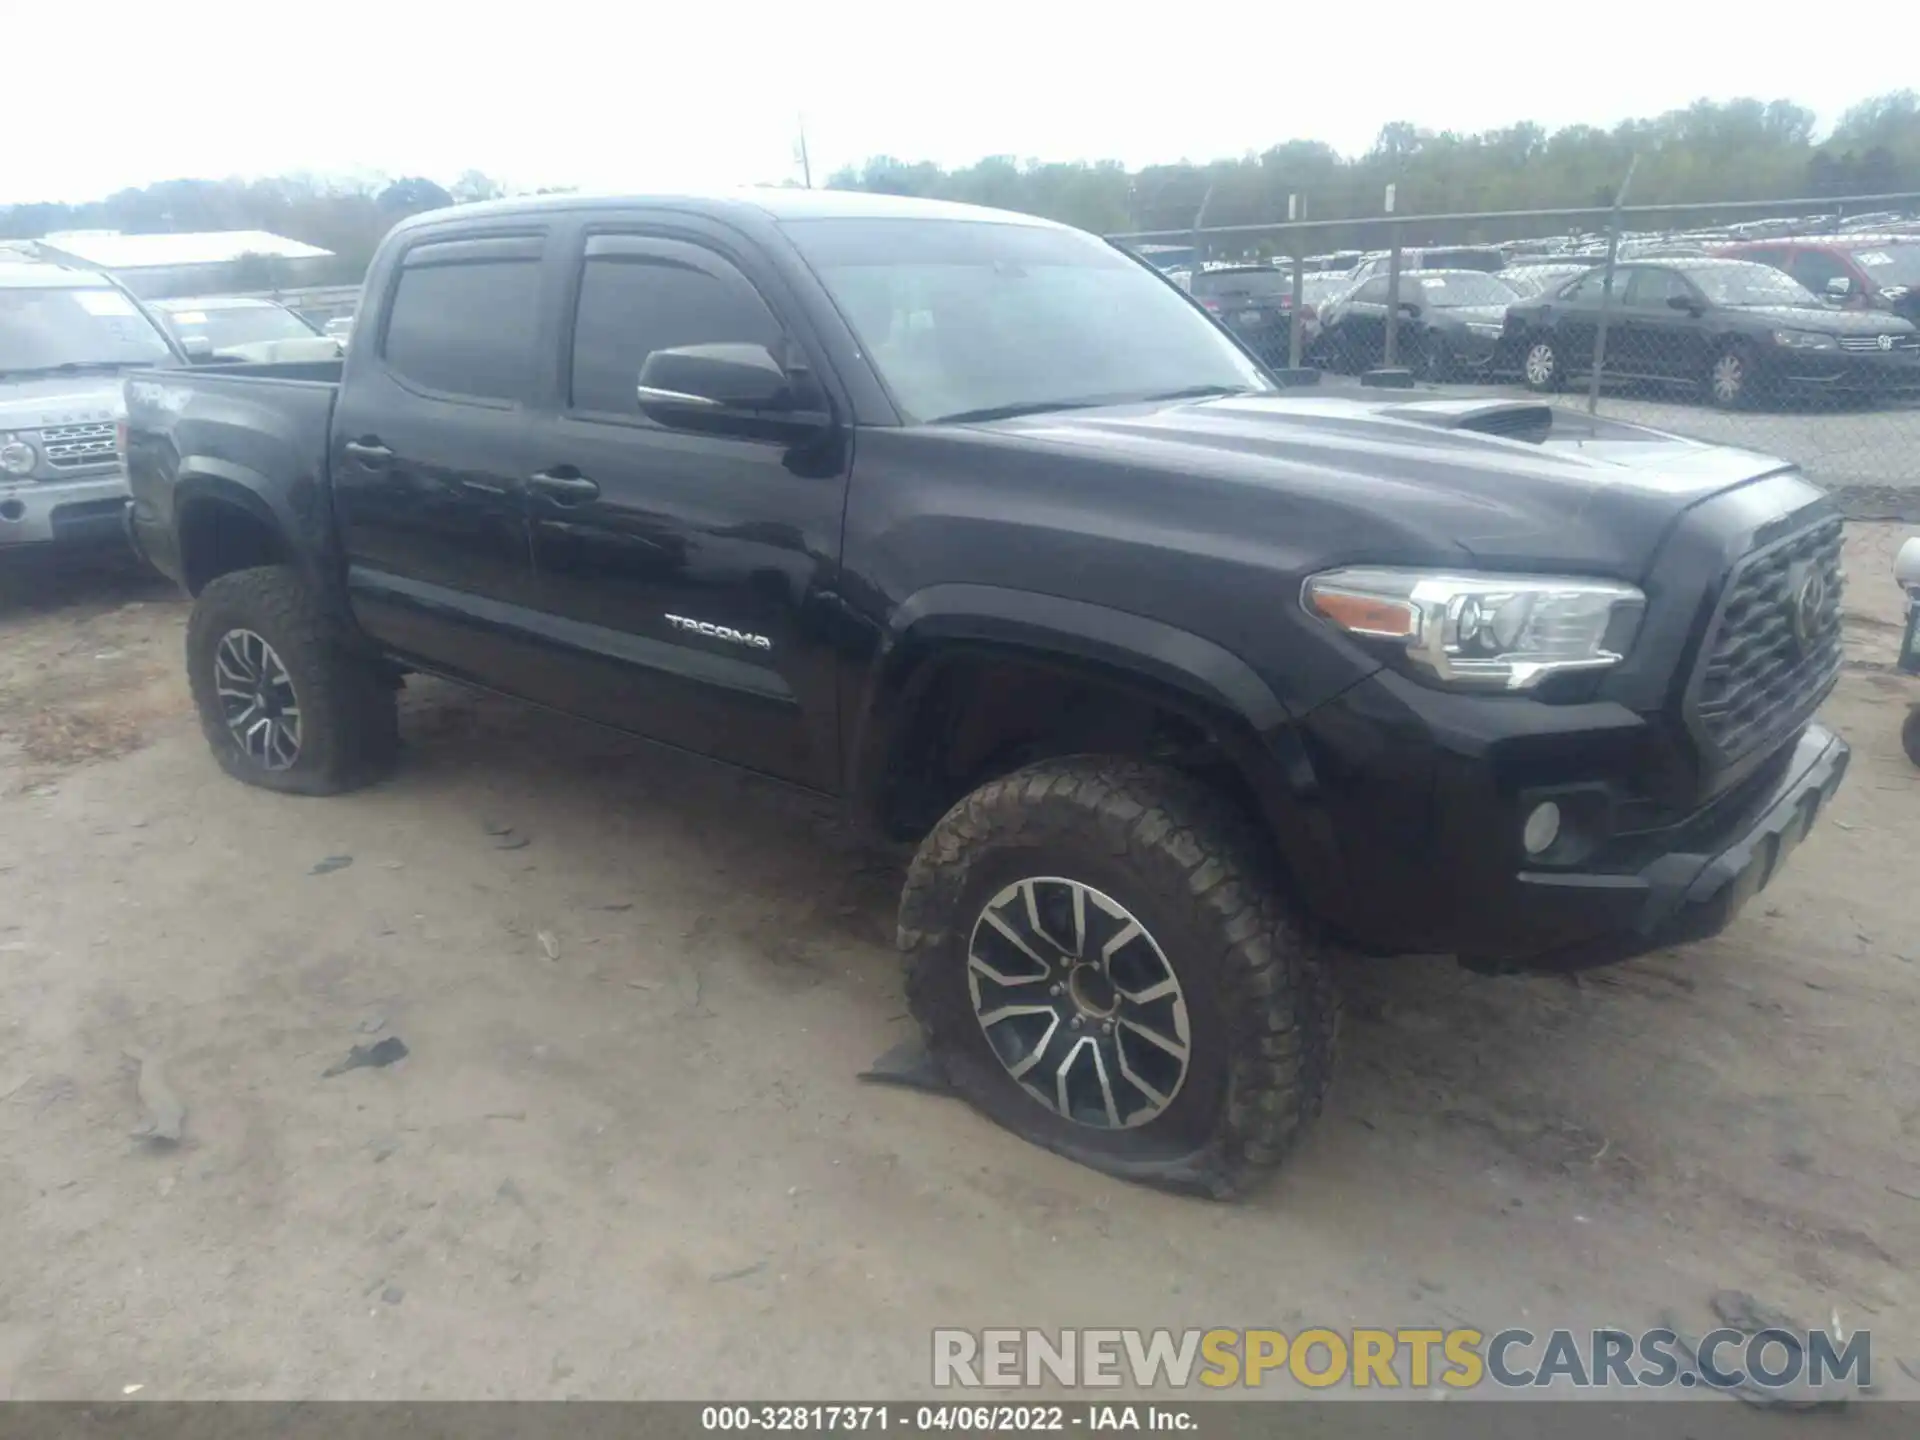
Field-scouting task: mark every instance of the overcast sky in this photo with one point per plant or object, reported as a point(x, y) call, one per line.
point(642, 95)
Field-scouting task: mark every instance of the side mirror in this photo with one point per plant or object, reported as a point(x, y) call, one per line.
point(1411, 307)
point(732, 389)
point(1682, 302)
point(198, 348)
point(1840, 286)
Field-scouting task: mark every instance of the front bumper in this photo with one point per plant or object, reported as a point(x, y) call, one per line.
point(1419, 800)
point(1696, 888)
point(63, 512)
point(1857, 373)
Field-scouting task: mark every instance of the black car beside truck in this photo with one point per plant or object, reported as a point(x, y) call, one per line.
point(1734, 330)
point(1186, 688)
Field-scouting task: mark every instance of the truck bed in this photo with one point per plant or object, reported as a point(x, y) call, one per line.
point(255, 435)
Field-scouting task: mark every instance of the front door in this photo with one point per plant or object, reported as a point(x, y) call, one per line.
point(686, 578)
point(1659, 337)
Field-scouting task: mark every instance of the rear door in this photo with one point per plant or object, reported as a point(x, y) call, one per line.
point(685, 578)
point(429, 445)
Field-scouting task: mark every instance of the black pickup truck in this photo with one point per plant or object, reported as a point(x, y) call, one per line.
point(1185, 685)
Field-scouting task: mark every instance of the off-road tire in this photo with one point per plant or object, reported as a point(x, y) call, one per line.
point(348, 709)
point(1260, 989)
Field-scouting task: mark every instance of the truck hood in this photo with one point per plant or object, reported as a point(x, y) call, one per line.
point(36, 402)
point(1499, 483)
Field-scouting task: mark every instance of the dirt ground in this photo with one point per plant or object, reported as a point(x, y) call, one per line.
point(627, 1155)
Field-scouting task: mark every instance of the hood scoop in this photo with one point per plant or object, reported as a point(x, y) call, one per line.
point(1504, 419)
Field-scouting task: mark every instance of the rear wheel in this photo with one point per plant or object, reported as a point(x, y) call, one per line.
point(1099, 963)
point(1541, 365)
point(288, 698)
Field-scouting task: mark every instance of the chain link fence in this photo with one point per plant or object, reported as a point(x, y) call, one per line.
point(1791, 328)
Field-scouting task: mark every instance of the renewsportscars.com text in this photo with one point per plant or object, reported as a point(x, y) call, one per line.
point(1362, 1358)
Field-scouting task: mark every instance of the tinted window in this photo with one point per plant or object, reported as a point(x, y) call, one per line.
point(1653, 288)
point(632, 305)
point(1813, 268)
point(466, 328)
point(1588, 289)
point(1736, 282)
point(1243, 282)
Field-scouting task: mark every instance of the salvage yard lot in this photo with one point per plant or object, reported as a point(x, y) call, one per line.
point(627, 1153)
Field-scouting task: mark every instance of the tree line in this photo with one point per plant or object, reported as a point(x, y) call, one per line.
point(1733, 150)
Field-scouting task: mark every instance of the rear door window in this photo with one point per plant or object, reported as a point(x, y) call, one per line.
point(464, 318)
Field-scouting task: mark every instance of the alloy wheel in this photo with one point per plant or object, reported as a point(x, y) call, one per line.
point(257, 699)
point(1079, 1003)
point(1541, 364)
point(1729, 378)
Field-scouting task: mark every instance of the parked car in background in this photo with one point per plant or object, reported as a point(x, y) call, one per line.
point(240, 327)
point(339, 328)
point(1530, 278)
point(1451, 321)
point(1255, 302)
point(1861, 272)
point(66, 334)
point(1486, 258)
point(1734, 329)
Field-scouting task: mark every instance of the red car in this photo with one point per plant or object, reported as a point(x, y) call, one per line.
point(1861, 272)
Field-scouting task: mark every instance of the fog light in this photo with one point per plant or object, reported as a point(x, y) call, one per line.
point(1542, 828)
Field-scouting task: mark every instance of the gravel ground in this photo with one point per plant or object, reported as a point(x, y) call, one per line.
point(627, 1155)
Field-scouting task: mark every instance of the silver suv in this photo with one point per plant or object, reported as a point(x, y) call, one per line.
point(66, 335)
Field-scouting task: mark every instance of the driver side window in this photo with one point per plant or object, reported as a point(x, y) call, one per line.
point(634, 303)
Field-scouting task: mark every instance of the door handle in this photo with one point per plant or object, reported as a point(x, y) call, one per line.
point(567, 488)
point(369, 453)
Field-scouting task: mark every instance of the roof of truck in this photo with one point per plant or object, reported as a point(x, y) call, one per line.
point(778, 202)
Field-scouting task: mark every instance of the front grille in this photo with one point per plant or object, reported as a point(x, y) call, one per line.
point(72, 447)
point(1772, 650)
point(1862, 343)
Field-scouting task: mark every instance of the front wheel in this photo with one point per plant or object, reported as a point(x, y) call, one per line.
point(1099, 963)
point(1541, 365)
point(287, 699)
point(1730, 379)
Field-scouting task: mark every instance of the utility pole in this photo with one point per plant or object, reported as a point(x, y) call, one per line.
point(806, 169)
point(1606, 288)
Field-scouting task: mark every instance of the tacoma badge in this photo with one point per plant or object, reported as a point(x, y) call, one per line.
point(720, 632)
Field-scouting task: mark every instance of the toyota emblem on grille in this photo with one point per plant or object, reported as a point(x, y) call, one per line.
point(1886, 343)
point(1807, 585)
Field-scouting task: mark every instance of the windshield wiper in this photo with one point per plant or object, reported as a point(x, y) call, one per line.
point(72, 367)
point(1008, 412)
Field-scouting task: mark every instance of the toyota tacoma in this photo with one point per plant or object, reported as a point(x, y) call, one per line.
point(1187, 687)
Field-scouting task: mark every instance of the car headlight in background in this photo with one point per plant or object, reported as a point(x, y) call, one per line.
point(17, 457)
point(1804, 340)
point(1482, 632)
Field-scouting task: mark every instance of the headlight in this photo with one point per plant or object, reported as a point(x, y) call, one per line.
point(1482, 632)
point(1804, 340)
point(17, 457)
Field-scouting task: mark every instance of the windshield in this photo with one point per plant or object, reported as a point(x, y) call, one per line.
point(1891, 264)
point(1448, 292)
point(968, 318)
point(1742, 283)
point(230, 325)
point(91, 327)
